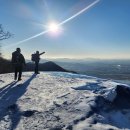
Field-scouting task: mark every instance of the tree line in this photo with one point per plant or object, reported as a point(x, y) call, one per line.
point(5, 65)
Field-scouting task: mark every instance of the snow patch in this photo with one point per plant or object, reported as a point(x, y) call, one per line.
point(110, 94)
point(59, 100)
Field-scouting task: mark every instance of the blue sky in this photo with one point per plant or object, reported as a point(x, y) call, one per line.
point(103, 31)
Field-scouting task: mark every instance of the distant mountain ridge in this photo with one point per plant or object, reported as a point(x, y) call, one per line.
point(6, 67)
point(47, 66)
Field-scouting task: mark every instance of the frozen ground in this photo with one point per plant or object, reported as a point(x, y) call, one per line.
point(63, 101)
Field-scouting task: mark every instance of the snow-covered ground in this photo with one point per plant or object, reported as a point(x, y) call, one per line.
point(63, 101)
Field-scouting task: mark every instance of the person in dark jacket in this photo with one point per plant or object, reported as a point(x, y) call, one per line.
point(36, 60)
point(18, 61)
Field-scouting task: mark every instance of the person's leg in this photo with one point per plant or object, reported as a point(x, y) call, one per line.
point(20, 72)
point(36, 67)
point(16, 72)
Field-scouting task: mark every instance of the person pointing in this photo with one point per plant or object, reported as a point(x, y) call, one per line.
point(36, 59)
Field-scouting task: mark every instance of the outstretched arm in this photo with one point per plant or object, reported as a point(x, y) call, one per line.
point(41, 53)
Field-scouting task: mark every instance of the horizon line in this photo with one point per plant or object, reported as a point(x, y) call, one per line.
point(67, 58)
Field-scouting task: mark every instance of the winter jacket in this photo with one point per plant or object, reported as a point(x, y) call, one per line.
point(18, 58)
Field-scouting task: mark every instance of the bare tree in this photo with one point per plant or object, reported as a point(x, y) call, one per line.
point(3, 35)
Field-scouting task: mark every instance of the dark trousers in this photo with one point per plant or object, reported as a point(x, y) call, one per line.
point(36, 67)
point(18, 71)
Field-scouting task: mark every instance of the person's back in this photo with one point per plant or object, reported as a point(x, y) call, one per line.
point(17, 58)
point(18, 61)
point(37, 59)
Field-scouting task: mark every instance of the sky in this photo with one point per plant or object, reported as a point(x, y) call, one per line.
point(102, 31)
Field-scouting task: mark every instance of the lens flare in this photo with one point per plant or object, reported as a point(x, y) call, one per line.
point(53, 27)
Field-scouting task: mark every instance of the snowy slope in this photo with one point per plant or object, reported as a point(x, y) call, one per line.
point(61, 101)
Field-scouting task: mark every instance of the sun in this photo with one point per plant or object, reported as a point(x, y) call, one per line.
point(53, 27)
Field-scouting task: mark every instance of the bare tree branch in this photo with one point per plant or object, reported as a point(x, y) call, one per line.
point(3, 34)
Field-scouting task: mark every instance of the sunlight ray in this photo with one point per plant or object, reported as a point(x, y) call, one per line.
point(60, 24)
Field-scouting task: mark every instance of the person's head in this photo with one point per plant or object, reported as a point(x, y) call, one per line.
point(18, 50)
point(37, 52)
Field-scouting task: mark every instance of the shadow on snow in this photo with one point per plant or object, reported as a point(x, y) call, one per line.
point(9, 95)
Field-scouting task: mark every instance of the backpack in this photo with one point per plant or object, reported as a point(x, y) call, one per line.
point(17, 58)
point(33, 57)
